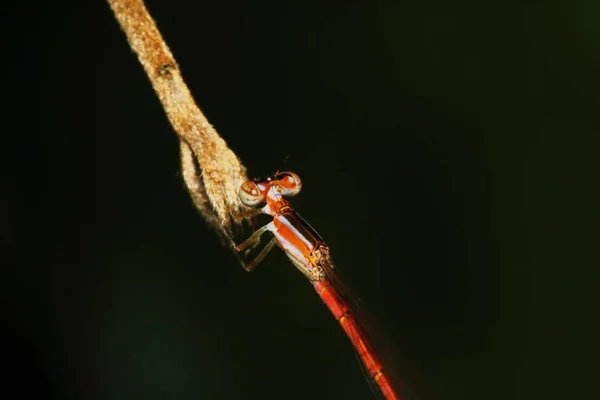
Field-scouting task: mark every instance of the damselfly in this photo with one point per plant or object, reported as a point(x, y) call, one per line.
point(309, 253)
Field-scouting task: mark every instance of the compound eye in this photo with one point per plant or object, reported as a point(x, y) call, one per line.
point(252, 194)
point(289, 183)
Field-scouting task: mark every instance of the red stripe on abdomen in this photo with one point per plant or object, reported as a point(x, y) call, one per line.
point(346, 319)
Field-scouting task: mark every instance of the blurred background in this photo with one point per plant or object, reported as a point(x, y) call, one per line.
point(449, 155)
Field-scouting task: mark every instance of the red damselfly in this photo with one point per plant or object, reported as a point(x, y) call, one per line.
point(309, 253)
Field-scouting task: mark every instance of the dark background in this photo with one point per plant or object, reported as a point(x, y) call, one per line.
point(449, 155)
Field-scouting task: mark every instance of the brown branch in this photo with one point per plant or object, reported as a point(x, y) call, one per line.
point(211, 171)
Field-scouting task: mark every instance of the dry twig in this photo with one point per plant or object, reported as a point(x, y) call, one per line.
point(211, 171)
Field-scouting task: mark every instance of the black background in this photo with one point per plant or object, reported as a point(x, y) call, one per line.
point(449, 155)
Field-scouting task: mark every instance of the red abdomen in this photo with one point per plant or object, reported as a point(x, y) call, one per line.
point(356, 335)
